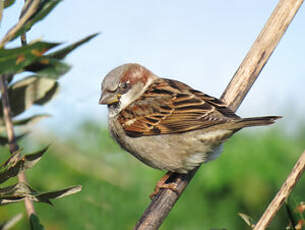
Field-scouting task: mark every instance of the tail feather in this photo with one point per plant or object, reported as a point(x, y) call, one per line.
point(257, 121)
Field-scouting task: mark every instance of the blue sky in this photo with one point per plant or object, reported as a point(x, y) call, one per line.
point(200, 43)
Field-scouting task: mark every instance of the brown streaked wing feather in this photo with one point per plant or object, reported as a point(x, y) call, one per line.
point(170, 106)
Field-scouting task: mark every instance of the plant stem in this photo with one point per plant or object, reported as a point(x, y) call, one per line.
point(7, 114)
point(11, 136)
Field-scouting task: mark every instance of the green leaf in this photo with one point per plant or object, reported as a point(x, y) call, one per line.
point(35, 223)
point(15, 60)
point(49, 67)
point(291, 217)
point(9, 78)
point(45, 197)
point(8, 3)
point(249, 220)
point(14, 193)
point(19, 191)
point(30, 120)
point(14, 165)
point(4, 140)
point(62, 53)
point(29, 91)
point(44, 8)
point(31, 159)
point(11, 223)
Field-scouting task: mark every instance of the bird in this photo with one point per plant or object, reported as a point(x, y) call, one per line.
point(165, 123)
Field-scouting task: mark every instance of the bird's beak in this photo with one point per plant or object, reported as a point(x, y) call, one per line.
point(108, 99)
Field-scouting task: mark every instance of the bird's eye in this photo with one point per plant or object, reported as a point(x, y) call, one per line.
point(124, 85)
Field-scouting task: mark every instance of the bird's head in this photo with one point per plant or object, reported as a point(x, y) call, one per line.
point(124, 84)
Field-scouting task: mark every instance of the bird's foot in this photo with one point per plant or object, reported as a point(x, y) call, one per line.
point(162, 184)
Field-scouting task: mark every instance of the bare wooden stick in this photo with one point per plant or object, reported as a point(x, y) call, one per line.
point(260, 51)
point(235, 92)
point(282, 194)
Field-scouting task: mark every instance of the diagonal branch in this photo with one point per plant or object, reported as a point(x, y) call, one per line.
point(260, 51)
point(282, 194)
point(234, 94)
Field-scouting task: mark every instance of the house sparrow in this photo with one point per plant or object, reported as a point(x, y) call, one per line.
point(165, 123)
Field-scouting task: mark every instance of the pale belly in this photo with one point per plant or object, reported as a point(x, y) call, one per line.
point(173, 152)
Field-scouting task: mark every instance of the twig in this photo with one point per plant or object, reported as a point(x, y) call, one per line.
point(31, 7)
point(282, 194)
point(28, 203)
point(235, 92)
point(28, 10)
point(11, 136)
point(7, 114)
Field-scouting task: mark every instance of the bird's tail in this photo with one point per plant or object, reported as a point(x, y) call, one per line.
point(256, 121)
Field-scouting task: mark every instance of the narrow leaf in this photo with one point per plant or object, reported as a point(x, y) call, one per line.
point(49, 67)
point(9, 78)
point(249, 220)
point(30, 120)
point(43, 197)
point(14, 193)
point(26, 121)
point(11, 223)
point(8, 3)
point(29, 91)
point(44, 8)
point(62, 53)
point(4, 140)
point(11, 172)
point(290, 215)
point(14, 60)
point(19, 191)
point(35, 223)
point(11, 160)
point(14, 165)
point(31, 159)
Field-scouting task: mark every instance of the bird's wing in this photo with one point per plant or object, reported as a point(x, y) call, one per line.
point(170, 106)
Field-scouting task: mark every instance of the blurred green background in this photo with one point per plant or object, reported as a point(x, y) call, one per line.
point(116, 186)
point(200, 43)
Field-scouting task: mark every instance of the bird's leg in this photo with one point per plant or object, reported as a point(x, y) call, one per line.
point(161, 184)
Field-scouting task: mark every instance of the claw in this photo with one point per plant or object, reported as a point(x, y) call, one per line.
point(161, 184)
